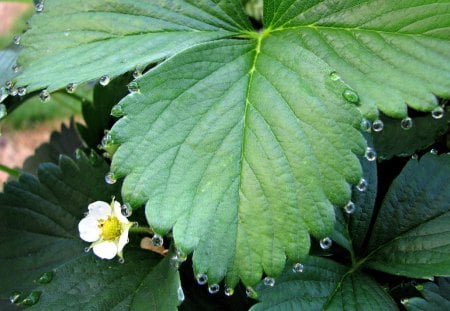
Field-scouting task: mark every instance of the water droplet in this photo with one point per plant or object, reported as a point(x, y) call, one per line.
point(437, 113)
point(297, 268)
point(71, 87)
point(16, 39)
point(180, 294)
point(334, 76)
point(214, 289)
point(434, 151)
point(110, 178)
point(15, 68)
point(9, 84)
point(32, 298)
point(371, 154)
point(362, 185)
point(201, 278)
point(121, 260)
point(13, 91)
point(366, 125)
point(126, 210)
point(133, 87)
point(351, 96)
point(228, 291)
point(415, 156)
point(3, 111)
point(44, 96)
point(137, 73)
point(39, 6)
point(269, 281)
point(104, 80)
point(251, 293)
point(406, 123)
point(350, 208)
point(22, 91)
point(15, 296)
point(404, 301)
point(87, 249)
point(326, 243)
point(377, 125)
point(106, 141)
point(117, 111)
point(45, 278)
point(180, 256)
point(157, 240)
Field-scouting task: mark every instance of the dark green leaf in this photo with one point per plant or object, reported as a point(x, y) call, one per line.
point(435, 297)
point(396, 141)
point(411, 235)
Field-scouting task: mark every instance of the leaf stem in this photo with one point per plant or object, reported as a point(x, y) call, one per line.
point(9, 170)
point(141, 230)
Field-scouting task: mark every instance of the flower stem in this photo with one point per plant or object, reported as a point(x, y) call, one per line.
point(141, 230)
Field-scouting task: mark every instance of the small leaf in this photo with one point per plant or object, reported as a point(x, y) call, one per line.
point(323, 285)
point(411, 236)
point(396, 141)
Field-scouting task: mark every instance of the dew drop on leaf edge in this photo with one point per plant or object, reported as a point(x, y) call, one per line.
point(44, 96)
point(201, 278)
point(71, 87)
point(213, 289)
point(104, 80)
point(350, 208)
point(133, 87)
point(157, 240)
point(126, 210)
point(326, 243)
point(377, 125)
point(228, 291)
point(21, 91)
point(251, 293)
point(406, 123)
point(14, 296)
point(297, 268)
point(437, 113)
point(32, 298)
point(46, 277)
point(39, 6)
point(16, 39)
point(351, 96)
point(180, 294)
point(370, 154)
point(117, 111)
point(334, 76)
point(110, 179)
point(366, 125)
point(362, 185)
point(268, 281)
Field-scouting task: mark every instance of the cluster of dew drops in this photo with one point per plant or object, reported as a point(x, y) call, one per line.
point(32, 298)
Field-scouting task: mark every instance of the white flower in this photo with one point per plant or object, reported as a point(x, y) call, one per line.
point(106, 227)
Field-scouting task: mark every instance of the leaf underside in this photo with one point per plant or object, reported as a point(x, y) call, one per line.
point(243, 146)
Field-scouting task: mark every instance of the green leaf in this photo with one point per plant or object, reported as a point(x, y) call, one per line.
point(208, 130)
point(8, 58)
point(39, 234)
point(435, 297)
point(73, 42)
point(323, 285)
point(341, 234)
point(396, 141)
point(411, 236)
point(392, 52)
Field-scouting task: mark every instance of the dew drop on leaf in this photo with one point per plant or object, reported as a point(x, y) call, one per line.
point(121, 260)
point(104, 80)
point(15, 68)
point(404, 301)
point(13, 91)
point(39, 6)
point(44, 96)
point(415, 156)
point(9, 84)
point(157, 240)
point(201, 278)
point(21, 91)
point(87, 249)
point(117, 111)
point(326, 243)
point(3, 111)
point(268, 281)
point(434, 151)
point(371, 154)
point(350, 96)
point(16, 39)
point(133, 87)
point(110, 178)
point(137, 73)
point(362, 185)
point(437, 113)
point(15, 296)
point(406, 123)
point(334, 76)
point(377, 125)
point(71, 87)
point(350, 208)
point(228, 291)
point(32, 298)
point(214, 289)
point(366, 125)
point(297, 268)
point(126, 210)
point(45, 278)
point(251, 293)
point(180, 294)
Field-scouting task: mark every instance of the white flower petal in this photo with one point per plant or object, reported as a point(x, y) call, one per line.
point(89, 230)
point(123, 240)
point(118, 213)
point(105, 250)
point(99, 210)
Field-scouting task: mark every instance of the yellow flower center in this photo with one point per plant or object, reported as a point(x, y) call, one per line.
point(111, 228)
